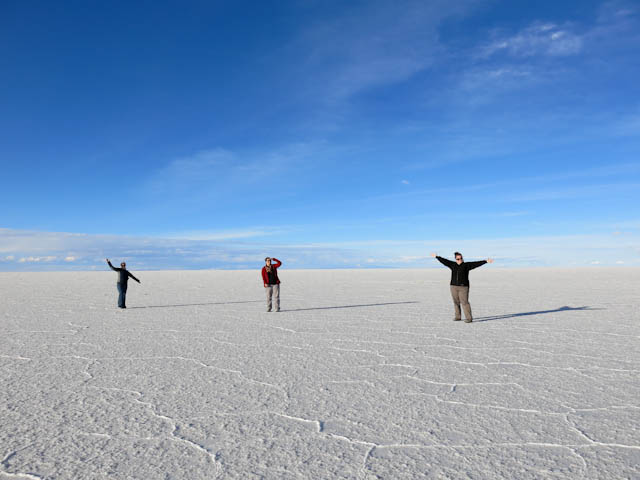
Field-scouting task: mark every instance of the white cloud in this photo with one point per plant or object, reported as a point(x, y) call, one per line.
point(537, 39)
point(49, 258)
point(70, 259)
point(511, 61)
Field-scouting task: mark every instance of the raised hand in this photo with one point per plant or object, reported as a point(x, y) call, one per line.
point(433, 255)
point(489, 260)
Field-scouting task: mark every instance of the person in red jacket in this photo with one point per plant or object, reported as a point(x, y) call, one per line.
point(271, 281)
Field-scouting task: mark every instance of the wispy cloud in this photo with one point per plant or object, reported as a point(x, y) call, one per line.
point(544, 250)
point(575, 192)
point(512, 214)
point(537, 39)
point(532, 187)
point(206, 235)
point(543, 53)
point(215, 172)
point(372, 44)
point(479, 85)
point(620, 16)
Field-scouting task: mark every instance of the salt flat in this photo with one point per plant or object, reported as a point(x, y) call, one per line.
point(363, 375)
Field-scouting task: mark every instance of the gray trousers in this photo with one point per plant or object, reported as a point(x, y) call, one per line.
point(460, 296)
point(271, 291)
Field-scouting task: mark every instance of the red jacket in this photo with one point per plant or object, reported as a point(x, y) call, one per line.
point(275, 263)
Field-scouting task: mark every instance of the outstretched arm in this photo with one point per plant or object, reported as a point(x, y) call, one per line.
point(473, 265)
point(112, 267)
point(131, 275)
point(444, 261)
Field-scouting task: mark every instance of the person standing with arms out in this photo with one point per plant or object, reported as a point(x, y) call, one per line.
point(460, 283)
point(123, 279)
point(271, 281)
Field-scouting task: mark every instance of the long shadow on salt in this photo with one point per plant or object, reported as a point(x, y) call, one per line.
point(196, 304)
point(347, 306)
point(539, 312)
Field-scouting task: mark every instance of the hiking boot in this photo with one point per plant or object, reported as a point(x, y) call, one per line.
point(468, 320)
point(457, 319)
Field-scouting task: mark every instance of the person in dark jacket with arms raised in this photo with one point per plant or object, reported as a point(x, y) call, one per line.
point(271, 281)
point(123, 280)
point(459, 284)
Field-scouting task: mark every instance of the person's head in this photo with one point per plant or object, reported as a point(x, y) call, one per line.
point(267, 260)
point(123, 265)
point(459, 258)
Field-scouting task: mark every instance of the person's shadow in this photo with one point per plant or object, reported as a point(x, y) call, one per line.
point(196, 304)
point(539, 312)
point(346, 306)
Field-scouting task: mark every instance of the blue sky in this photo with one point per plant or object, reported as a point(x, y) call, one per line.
point(329, 134)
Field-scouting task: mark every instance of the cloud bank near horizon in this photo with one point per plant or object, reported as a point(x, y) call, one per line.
point(23, 250)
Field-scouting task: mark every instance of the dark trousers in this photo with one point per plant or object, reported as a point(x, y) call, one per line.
point(122, 296)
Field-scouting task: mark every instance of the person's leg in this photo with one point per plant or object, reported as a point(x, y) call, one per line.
point(120, 298)
point(456, 302)
point(124, 297)
point(464, 301)
point(269, 290)
point(277, 292)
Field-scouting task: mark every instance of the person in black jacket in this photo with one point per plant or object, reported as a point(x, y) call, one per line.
point(460, 283)
point(123, 279)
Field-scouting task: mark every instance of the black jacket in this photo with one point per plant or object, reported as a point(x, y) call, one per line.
point(123, 275)
point(460, 273)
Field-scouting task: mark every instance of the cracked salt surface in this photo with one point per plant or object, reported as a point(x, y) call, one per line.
point(355, 381)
